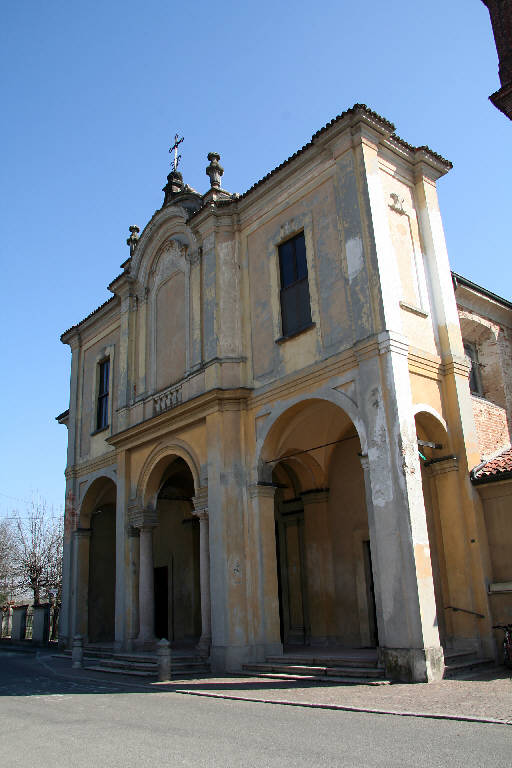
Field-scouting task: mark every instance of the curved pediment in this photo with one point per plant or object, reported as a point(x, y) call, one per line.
point(168, 225)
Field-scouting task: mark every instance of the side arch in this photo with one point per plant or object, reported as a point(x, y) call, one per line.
point(420, 408)
point(264, 443)
point(98, 490)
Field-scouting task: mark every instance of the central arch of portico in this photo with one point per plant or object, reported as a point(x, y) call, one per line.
point(171, 517)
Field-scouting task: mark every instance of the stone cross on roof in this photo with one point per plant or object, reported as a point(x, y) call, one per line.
point(174, 148)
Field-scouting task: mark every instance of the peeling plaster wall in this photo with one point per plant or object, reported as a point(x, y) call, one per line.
point(317, 216)
point(91, 356)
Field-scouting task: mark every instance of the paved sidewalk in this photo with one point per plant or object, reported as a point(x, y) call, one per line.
point(487, 697)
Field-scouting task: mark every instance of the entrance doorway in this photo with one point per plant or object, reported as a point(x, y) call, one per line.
point(176, 559)
point(293, 600)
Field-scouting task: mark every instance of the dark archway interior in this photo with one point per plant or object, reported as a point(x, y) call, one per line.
point(102, 574)
point(176, 559)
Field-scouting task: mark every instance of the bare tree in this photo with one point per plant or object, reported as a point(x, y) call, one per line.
point(6, 560)
point(37, 553)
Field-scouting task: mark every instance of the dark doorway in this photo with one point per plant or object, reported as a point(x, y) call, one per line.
point(102, 575)
point(161, 602)
point(370, 587)
point(293, 611)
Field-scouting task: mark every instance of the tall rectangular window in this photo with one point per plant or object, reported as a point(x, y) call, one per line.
point(295, 304)
point(475, 381)
point(102, 411)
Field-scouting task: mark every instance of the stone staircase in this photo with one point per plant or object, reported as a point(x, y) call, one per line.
point(184, 664)
point(352, 669)
point(463, 664)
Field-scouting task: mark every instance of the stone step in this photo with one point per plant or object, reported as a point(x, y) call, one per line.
point(464, 667)
point(143, 666)
point(116, 671)
point(136, 671)
point(323, 661)
point(316, 670)
point(347, 680)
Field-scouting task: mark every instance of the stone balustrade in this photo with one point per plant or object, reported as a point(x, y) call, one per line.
point(168, 398)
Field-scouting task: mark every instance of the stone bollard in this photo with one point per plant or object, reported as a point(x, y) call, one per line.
point(41, 624)
point(19, 622)
point(77, 652)
point(163, 651)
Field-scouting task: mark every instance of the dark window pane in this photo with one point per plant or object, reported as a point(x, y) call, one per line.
point(295, 305)
point(286, 262)
point(104, 372)
point(300, 256)
point(303, 305)
point(474, 374)
point(289, 311)
point(102, 408)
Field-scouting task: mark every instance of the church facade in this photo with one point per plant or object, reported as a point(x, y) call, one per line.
point(271, 429)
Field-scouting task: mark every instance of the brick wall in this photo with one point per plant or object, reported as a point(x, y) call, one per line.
point(491, 426)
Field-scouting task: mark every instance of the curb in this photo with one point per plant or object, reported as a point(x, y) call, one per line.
point(349, 708)
point(148, 687)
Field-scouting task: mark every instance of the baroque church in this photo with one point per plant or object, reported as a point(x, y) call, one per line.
point(288, 428)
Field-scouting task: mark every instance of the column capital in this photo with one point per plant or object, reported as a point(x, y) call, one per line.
point(448, 464)
point(365, 461)
point(315, 496)
point(200, 502)
point(143, 518)
point(262, 490)
point(82, 533)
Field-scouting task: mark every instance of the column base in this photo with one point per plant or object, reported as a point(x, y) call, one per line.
point(230, 658)
point(203, 646)
point(144, 644)
point(413, 665)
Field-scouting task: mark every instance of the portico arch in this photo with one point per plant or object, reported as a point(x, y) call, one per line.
point(310, 452)
point(95, 562)
point(174, 549)
point(447, 531)
point(152, 473)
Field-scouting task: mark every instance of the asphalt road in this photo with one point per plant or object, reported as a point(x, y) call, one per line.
point(48, 722)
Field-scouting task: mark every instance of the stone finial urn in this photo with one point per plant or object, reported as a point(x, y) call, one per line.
point(214, 170)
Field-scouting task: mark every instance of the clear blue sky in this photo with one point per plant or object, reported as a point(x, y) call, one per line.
point(92, 94)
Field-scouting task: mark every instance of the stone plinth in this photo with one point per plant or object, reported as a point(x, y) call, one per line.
point(41, 624)
point(19, 622)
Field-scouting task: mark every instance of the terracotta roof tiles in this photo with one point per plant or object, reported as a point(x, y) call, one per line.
point(497, 468)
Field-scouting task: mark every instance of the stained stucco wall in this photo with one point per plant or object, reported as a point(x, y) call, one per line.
point(106, 346)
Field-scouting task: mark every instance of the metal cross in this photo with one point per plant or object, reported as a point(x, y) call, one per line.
point(174, 148)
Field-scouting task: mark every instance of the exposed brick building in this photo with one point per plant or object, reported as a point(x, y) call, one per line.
point(500, 12)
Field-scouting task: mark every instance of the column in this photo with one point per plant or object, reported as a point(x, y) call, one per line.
point(81, 544)
point(263, 591)
point(201, 511)
point(133, 585)
point(409, 637)
point(146, 520)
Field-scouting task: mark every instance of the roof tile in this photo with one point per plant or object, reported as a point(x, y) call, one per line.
point(493, 469)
